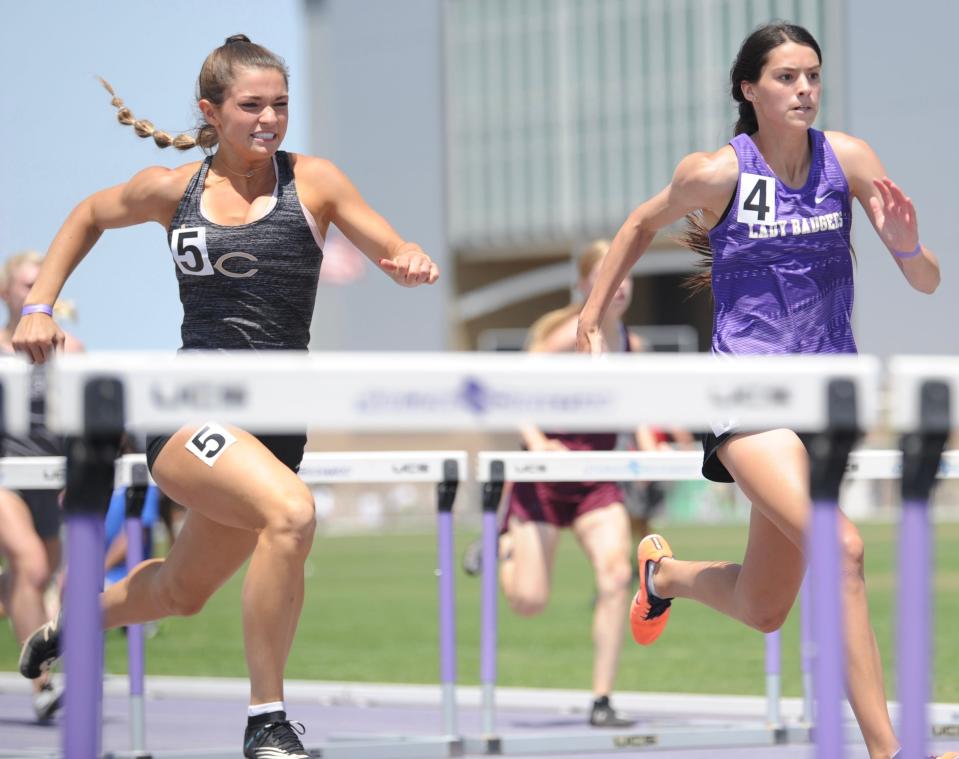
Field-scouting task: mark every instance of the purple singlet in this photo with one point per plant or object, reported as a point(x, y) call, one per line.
point(782, 267)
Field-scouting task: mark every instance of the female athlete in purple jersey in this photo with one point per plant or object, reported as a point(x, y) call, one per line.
point(245, 227)
point(777, 204)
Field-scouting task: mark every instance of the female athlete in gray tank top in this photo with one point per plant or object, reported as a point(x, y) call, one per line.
point(245, 229)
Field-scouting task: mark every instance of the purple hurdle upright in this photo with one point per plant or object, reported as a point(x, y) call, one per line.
point(921, 454)
point(829, 453)
point(492, 491)
point(446, 495)
point(82, 638)
point(806, 649)
point(773, 679)
point(136, 493)
point(90, 462)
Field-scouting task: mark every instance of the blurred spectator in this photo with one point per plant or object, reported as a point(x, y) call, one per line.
point(30, 519)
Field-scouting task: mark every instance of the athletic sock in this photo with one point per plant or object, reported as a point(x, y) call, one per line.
point(650, 585)
point(258, 710)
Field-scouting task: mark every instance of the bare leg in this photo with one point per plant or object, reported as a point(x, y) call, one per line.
point(180, 583)
point(28, 569)
point(54, 590)
point(526, 574)
point(604, 536)
point(247, 502)
point(772, 470)
point(759, 592)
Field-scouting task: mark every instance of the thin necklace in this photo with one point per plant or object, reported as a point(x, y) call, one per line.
point(247, 174)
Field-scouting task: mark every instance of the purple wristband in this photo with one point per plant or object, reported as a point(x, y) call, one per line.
point(38, 308)
point(909, 254)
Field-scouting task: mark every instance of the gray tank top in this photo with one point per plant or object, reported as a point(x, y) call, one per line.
point(250, 286)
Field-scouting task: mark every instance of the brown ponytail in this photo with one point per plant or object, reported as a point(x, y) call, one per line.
point(695, 237)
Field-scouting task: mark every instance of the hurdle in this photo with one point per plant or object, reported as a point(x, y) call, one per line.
point(890, 465)
point(661, 466)
point(494, 469)
point(834, 398)
point(49, 473)
point(443, 469)
point(95, 396)
point(132, 476)
point(837, 411)
point(924, 413)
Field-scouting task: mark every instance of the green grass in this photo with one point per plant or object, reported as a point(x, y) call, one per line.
point(370, 615)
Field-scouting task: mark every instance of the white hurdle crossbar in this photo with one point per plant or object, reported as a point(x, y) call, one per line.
point(460, 391)
point(96, 396)
point(665, 466)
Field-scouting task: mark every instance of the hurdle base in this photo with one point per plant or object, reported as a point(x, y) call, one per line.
point(364, 747)
point(720, 735)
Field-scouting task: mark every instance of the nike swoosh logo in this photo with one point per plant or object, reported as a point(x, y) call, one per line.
point(821, 198)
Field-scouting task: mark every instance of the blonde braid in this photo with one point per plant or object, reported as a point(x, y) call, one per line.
point(145, 128)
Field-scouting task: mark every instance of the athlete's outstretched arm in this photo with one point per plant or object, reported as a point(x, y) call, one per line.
point(151, 195)
point(701, 181)
point(340, 202)
point(890, 210)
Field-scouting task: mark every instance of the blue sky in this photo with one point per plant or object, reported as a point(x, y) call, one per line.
point(61, 141)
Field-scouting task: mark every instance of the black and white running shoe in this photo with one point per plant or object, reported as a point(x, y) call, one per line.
point(46, 701)
point(41, 649)
point(273, 736)
point(604, 715)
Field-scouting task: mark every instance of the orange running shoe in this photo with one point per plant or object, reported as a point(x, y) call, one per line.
point(649, 613)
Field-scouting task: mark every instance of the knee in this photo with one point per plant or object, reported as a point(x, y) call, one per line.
point(529, 601)
point(184, 605)
point(766, 618)
point(527, 606)
point(614, 575)
point(30, 568)
point(181, 598)
point(853, 552)
point(292, 519)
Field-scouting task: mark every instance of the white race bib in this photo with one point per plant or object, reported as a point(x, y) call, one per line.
point(757, 199)
point(209, 442)
point(188, 246)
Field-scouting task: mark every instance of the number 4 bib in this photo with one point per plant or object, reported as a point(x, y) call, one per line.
point(757, 199)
